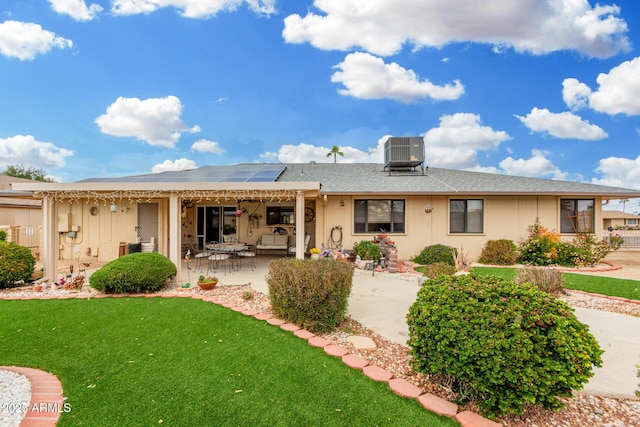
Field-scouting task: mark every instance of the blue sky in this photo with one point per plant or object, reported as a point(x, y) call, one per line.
point(94, 88)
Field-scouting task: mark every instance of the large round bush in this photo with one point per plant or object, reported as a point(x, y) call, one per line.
point(437, 253)
point(137, 272)
point(499, 252)
point(16, 264)
point(311, 294)
point(505, 345)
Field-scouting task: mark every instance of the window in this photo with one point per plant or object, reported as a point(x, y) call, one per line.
point(466, 216)
point(379, 215)
point(277, 215)
point(631, 221)
point(576, 215)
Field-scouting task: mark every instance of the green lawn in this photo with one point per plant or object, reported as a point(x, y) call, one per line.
point(184, 362)
point(623, 288)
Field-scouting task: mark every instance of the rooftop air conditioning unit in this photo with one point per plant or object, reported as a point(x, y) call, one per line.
point(403, 152)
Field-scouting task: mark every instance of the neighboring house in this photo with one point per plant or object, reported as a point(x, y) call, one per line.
point(337, 204)
point(21, 216)
point(618, 219)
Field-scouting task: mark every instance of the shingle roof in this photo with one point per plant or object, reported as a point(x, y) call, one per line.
point(5, 184)
point(372, 178)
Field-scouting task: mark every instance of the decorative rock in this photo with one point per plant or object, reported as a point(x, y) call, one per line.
point(362, 343)
point(404, 388)
point(438, 405)
point(377, 373)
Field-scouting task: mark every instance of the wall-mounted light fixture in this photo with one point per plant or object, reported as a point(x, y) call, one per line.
point(113, 207)
point(428, 209)
point(342, 203)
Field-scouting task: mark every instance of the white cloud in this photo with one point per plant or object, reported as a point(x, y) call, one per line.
point(204, 146)
point(619, 172)
point(618, 91)
point(538, 165)
point(575, 94)
point(534, 26)
point(26, 150)
point(561, 125)
point(77, 9)
point(191, 8)
point(25, 40)
point(304, 153)
point(456, 142)
point(155, 120)
point(368, 77)
point(178, 165)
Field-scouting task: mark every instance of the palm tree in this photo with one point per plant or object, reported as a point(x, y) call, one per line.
point(335, 151)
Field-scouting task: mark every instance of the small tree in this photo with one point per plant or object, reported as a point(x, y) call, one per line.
point(19, 171)
point(335, 151)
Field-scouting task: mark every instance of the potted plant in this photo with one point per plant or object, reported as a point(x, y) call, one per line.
point(207, 283)
point(315, 253)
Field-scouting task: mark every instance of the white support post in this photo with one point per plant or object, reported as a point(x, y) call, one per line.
point(50, 251)
point(175, 242)
point(300, 225)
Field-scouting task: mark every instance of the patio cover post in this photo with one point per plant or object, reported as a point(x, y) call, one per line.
point(300, 225)
point(175, 242)
point(50, 238)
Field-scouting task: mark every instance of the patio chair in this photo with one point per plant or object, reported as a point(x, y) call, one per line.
point(218, 258)
point(307, 239)
point(198, 255)
point(248, 255)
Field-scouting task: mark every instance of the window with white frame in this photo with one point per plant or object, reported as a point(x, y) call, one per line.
point(466, 216)
point(576, 215)
point(631, 221)
point(379, 215)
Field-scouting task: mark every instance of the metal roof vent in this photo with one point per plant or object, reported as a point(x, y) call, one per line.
point(402, 153)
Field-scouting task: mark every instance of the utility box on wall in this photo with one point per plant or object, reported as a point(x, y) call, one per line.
point(64, 223)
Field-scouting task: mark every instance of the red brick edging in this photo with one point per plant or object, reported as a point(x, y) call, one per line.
point(47, 401)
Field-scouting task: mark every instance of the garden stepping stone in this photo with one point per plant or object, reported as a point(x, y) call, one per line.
point(362, 343)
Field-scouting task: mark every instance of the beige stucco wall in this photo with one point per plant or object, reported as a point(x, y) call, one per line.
point(505, 217)
point(20, 216)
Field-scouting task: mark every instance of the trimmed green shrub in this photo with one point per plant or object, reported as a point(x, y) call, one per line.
point(3, 236)
point(499, 252)
point(16, 264)
point(437, 253)
point(438, 268)
point(504, 345)
point(137, 272)
point(312, 294)
point(367, 250)
point(546, 279)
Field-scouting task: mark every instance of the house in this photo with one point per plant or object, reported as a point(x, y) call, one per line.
point(20, 215)
point(619, 220)
point(337, 204)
